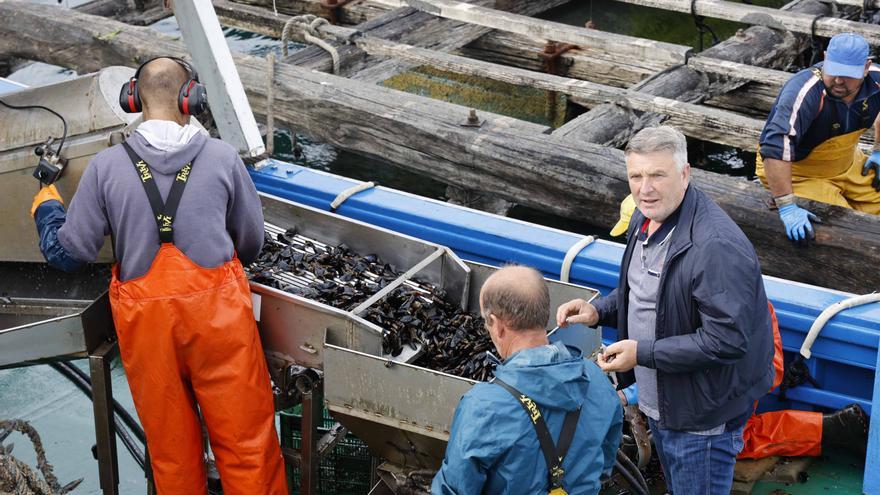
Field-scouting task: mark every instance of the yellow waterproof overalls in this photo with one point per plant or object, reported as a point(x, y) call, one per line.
point(832, 173)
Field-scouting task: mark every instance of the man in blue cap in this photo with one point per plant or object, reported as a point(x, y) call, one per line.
point(809, 145)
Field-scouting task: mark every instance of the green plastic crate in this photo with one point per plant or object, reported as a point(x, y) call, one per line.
point(346, 470)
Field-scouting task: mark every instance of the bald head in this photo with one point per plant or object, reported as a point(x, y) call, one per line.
point(159, 84)
point(518, 296)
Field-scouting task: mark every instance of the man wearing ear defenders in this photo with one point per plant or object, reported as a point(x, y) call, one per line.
point(183, 216)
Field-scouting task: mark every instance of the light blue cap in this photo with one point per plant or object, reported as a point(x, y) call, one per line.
point(846, 56)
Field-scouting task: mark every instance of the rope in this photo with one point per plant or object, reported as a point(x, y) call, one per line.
point(17, 478)
point(351, 191)
point(572, 253)
point(304, 28)
point(702, 27)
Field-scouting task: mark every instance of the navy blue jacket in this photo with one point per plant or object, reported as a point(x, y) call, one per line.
point(805, 116)
point(714, 340)
point(493, 447)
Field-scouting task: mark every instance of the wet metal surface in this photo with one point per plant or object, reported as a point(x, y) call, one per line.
point(415, 314)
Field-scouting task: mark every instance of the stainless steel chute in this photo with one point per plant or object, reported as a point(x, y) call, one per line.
point(297, 327)
point(404, 412)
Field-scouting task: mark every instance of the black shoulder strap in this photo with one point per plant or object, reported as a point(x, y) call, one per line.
point(553, 454)
point(163, 211)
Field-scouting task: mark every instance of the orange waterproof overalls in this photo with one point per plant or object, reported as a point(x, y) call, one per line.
point(187, 337)
point(784, 433)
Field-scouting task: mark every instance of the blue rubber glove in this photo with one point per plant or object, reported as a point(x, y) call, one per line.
point(797, 222)
point(873, 163)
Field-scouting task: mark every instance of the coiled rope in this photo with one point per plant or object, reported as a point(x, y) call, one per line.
point(16, 477)
point(304, 28)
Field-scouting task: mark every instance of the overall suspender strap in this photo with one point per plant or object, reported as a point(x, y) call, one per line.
point(554, 454)
point(163, 211)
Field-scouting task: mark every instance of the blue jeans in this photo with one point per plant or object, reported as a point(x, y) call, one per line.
point(697, 464)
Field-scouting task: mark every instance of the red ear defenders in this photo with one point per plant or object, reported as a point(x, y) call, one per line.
point(191, 100)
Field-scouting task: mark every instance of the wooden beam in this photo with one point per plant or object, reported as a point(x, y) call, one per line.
point(765, 16)
point(726, 68)
point(350, 13)
point(587, 62)
point(405, 25)
point(564, 33)
point(871, 4)
point(703, 122)
point(757, 46)
point(505, 156)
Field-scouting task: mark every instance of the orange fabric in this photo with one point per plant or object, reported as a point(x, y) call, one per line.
point(188, 338)
point(784, 433)
point(778, 356)
point(46, 193)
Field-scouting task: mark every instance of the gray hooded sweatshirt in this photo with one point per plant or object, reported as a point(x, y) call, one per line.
point(219, 214)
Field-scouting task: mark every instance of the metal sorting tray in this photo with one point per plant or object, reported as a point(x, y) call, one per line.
point(73, 329)
point(295, 329)
point(404, 412)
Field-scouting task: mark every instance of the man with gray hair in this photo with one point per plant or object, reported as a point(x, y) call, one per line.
point(550, 419)
point(693, 323)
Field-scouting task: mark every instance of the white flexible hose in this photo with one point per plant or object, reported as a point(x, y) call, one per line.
point(571, 255)
point(351, 191)
point(829, 312)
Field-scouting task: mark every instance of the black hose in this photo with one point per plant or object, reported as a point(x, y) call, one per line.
point(126, 416)
point(630, 480)
point(41, 107)
point(633, 469)
point(85, 386)
point(628, 477)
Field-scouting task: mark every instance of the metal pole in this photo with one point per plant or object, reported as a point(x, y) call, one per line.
point(102, 402)
point(287, 428)
point(312, 409)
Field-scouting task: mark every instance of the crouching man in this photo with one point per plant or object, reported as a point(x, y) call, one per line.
point(549, 421)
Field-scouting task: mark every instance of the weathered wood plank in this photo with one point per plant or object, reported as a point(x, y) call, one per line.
point(752, 99)
point(765, 16)
point(585, 62)
point(871, 4)
point(756, 46)
point(728, 68)
point(405, 25)
point(702, 122)
point(351, 13)
point(520, 24)
point(511, 158)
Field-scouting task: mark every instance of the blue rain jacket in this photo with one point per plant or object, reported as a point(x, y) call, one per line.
point(493, 447)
